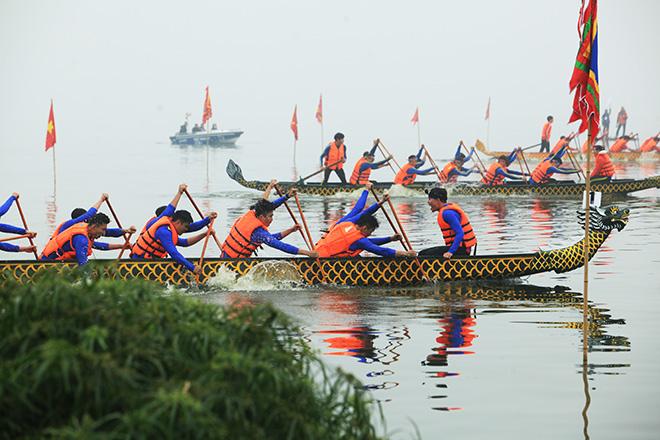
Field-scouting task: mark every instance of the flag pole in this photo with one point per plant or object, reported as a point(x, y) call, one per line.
point(586, 242)
point(54, 173)
point(419, 137)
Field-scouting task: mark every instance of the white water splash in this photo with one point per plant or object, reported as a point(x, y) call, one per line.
point(269, 275)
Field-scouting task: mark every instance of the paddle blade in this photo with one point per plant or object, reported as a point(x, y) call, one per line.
point(480, 146)
point(234, 171)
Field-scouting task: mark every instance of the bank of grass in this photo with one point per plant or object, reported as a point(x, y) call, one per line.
point(101, 359)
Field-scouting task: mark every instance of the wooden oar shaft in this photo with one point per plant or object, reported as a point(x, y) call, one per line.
point(575, 163)
point(206, 242)
point(302, 217)
point(380, 144)
point(525, 160)
point(20, 211)
point(293, 217)
point(388, 162)
point(483, 167)
point(201, 215)
point(531, 146)
point(319, 171)
point(16, 237)
point(433, 164)
point(114, 215)
point(521, 166)
point(387, 216)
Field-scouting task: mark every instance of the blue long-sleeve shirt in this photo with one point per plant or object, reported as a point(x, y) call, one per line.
point(169, 211)
point(9, 228)
point(5, 206)
point(8, 247)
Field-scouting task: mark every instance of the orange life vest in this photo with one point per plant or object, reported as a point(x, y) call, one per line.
point(547, 129)
point(648, 145)
point(147, 246)
point(360, 177)
point(606, 167)
point(491, 178)
point(618, 145)
point(622, 117)
point(338, 240)
point(558, 145)
point(238, 243)
point(336, 154)
point(444, 174)
point(585, 146)
point(145, 225)
point(403, 178)
point(469, 239)
point(540, 173)
point(57, 243)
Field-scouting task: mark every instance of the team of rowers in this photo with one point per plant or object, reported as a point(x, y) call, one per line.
point(161, 235)
point(334, 156)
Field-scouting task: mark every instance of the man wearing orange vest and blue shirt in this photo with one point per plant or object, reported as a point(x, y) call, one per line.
point(363, 167)
point(8, 247)
point(77, 240)
point(335, 156)
point(548, 167)
point(454, 224)
point(564, 141)
point(621, 145)
point(409, 172)
point(251, 230)
point(650, 145)
point(455, 168)
point(603, 168)
point(498, 171)
point(545, 135)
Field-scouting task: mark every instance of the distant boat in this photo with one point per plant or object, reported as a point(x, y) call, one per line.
point(215, 137)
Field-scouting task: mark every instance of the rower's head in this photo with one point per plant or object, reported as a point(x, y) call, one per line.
point(181, 220)
point(550, 118)
point(97, 225)
point(459, 160)
point(412, 160)
point(339, 138)
point(367, 224)
point(160, 210)
point(598, 148)
point(265, 211)
point(627, 138)
point(437, 198)
point(368, 156)
point(503, 160)
point(78, 212)
point(556, 161)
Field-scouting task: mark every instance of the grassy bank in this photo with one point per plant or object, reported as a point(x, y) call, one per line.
point(107, 359)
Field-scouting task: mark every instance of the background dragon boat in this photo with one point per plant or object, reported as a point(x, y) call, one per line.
point(366, 271)
point(559, 188)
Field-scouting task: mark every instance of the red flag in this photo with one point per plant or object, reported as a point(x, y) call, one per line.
point(207, 108)
point(488, 109)
point(319, 111)
point(50, 134)
point(415, 118)
point(294, 122)
point(584, 81)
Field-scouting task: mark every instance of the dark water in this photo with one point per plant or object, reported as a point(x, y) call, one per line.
point(458, 360)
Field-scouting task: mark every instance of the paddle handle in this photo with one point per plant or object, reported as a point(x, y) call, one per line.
point(201, 215)
point(206, 242)
point(302, 216)
point(521, 167)
point(293, 217)
point(483, 167)
point(387, 216)
point(16, 237)
point(433, 164)
point(20, 211)
point(321, 170)
point(380, 144)
point(112, 211)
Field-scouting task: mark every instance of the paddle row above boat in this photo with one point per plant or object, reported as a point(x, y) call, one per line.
point(357, 271)
point(559, 188)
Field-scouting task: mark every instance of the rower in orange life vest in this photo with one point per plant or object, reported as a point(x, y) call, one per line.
point(363, 167)
point(603, 168)
point(8, 247)
point(251, 230)
point(545, 135)
point(548, 167)
point(583, 150)
point(76, 240)
point(564, 141)
point(454, 224)
point(621, 145)
point(335, 156)
point(168, 211)
point(350, 236)
point(498, 171)
point(455, 169)
point(650, 145)
point(409, 172)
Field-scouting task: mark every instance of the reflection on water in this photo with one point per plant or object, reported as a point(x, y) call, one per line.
point(51, 214)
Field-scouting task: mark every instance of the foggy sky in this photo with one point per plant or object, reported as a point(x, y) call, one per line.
point(138, 66)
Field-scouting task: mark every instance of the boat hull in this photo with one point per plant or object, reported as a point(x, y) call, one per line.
point(223, 137)
point(367, 271)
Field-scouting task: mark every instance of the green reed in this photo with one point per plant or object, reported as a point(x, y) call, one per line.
point(90, 358)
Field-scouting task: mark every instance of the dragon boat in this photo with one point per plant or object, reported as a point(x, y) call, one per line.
point(536, 156)
point(365, 271)
point(559, 188)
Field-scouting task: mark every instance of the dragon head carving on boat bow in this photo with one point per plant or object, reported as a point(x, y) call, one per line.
point(606, 219)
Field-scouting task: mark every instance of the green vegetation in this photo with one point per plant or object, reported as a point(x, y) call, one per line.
point(103, 359)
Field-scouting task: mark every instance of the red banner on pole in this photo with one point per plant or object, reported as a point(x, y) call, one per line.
point(319, 111)
point(294, 122)
point(207, 108)
point(50, 134)
point(415, 118)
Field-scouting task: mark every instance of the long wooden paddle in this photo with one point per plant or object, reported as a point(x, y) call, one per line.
point(128, 239)
point(380, 144)
point(302, 216)
point(575, 163)
point(302, 179)
point(521, 155)
point(206, 242)
point(483, 167)
point(16, 237)
point(531, 146)
point(202, 216)
point(433, 164)
point(521, 167)
point(387, 216)
point(293, 217)
point(20, 211)
point(405, 237)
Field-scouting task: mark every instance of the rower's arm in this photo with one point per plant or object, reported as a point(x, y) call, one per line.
point(164, 235)
point(367, 245)
point(260, 235)
point(80, 244)
point(5, 206)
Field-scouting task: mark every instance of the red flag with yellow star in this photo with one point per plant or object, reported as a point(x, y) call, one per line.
point(50, 134)
point(294, 122)
point(207, 108)
point(319, 111)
